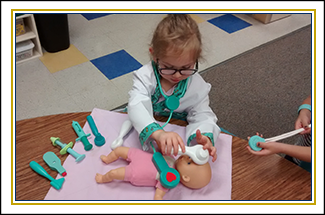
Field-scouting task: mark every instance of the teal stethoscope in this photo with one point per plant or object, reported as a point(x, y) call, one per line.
point(171, 102)
point(169, 177)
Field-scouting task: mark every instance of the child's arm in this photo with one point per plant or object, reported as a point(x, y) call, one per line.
point(159, 194)
point(300, 152)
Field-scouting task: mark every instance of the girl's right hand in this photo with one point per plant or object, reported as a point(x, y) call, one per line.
point(168, 140)
point(303, 121)
point(268, 148)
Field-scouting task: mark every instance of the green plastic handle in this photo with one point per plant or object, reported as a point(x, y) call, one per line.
point(92, 125)
point(40, 170)
point(169, 177)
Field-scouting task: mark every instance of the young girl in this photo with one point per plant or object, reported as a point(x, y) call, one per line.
point(170, 86)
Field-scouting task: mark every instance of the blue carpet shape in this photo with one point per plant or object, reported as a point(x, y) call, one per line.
point(229, 23)
point(116, 64)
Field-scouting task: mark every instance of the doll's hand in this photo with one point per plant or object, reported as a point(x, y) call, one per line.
point(168, 140)
point(207, 144)
point(303, 121)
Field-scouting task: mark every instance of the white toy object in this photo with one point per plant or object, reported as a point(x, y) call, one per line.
point(197, 153)
point(125, 129)
point(285, 135)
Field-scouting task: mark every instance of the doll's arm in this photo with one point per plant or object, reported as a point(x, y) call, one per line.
point(159, 194)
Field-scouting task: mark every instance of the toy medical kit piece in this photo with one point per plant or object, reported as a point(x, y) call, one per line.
point(82, 136)
point(255, 139)
point(169, 177)
point(67, 148)
point(54, 163)
point(125, 128)
point(171, 102)
point(99, 139)
point(197, 153)
point(56, 183)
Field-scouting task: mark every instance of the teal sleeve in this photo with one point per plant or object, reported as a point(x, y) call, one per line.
point(147, 131)
point(210, 135)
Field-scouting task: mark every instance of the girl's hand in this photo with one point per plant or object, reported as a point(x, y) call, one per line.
point(207, 144)
point(303, 121)
point(167, 141)
point(268, 148)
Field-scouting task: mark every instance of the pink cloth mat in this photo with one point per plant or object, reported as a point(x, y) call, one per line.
point(80, 181)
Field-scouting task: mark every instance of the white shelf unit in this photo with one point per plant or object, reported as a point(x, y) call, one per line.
point(31, 34)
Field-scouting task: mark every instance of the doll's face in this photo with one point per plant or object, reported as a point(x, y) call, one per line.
point(193, 175)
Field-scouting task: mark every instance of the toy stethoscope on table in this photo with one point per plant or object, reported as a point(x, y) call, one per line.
point(255, 139)
point(169, 177)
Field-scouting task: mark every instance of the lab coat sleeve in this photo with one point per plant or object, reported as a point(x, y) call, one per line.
point(140, 109)
point(200, 115)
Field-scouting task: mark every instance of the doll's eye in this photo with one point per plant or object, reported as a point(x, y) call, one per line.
point(189, 163)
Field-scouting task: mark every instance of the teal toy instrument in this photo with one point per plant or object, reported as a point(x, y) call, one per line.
point(54, 162)
point(81, 136)
point(99, 139)
point(56, 183)
point(67, 148)
point(169, 177)
point(255, 139)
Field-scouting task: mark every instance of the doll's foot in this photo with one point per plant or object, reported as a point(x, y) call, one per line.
point(106, 159)
point(102, 178)
point(110, 157)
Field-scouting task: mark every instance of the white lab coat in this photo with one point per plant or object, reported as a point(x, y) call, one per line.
point(195, 102)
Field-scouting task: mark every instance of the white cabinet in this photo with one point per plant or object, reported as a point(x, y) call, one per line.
point(31, 34)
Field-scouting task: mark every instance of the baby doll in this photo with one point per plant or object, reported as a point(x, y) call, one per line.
point(142, 172)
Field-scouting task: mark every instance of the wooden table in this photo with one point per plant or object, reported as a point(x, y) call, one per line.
point(253, 177)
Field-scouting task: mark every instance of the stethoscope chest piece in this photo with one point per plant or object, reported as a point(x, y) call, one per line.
point(172, 102)
point(253, 142)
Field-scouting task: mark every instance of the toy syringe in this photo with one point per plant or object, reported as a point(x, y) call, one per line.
point(82, 136)
point(67, 148)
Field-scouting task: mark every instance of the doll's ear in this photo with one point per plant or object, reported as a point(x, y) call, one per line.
point(186, 178)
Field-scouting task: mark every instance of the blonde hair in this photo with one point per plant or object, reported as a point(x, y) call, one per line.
point(179, 34)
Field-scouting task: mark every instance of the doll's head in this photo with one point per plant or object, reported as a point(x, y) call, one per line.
point(193, 175)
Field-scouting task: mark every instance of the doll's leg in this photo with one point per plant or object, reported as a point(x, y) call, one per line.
point(118, 174)
point(115, 154)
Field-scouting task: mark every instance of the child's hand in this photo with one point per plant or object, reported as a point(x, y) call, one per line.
point(207, 144)
point(303, 121)
point(268, 148)
point(168, 140)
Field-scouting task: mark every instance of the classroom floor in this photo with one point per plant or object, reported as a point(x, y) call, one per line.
point(96, 70)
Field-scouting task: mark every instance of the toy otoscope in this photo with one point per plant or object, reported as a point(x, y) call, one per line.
point(82, 136)
point(255, 139)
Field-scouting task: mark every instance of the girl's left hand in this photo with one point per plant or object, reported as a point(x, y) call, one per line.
point(207, 144)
